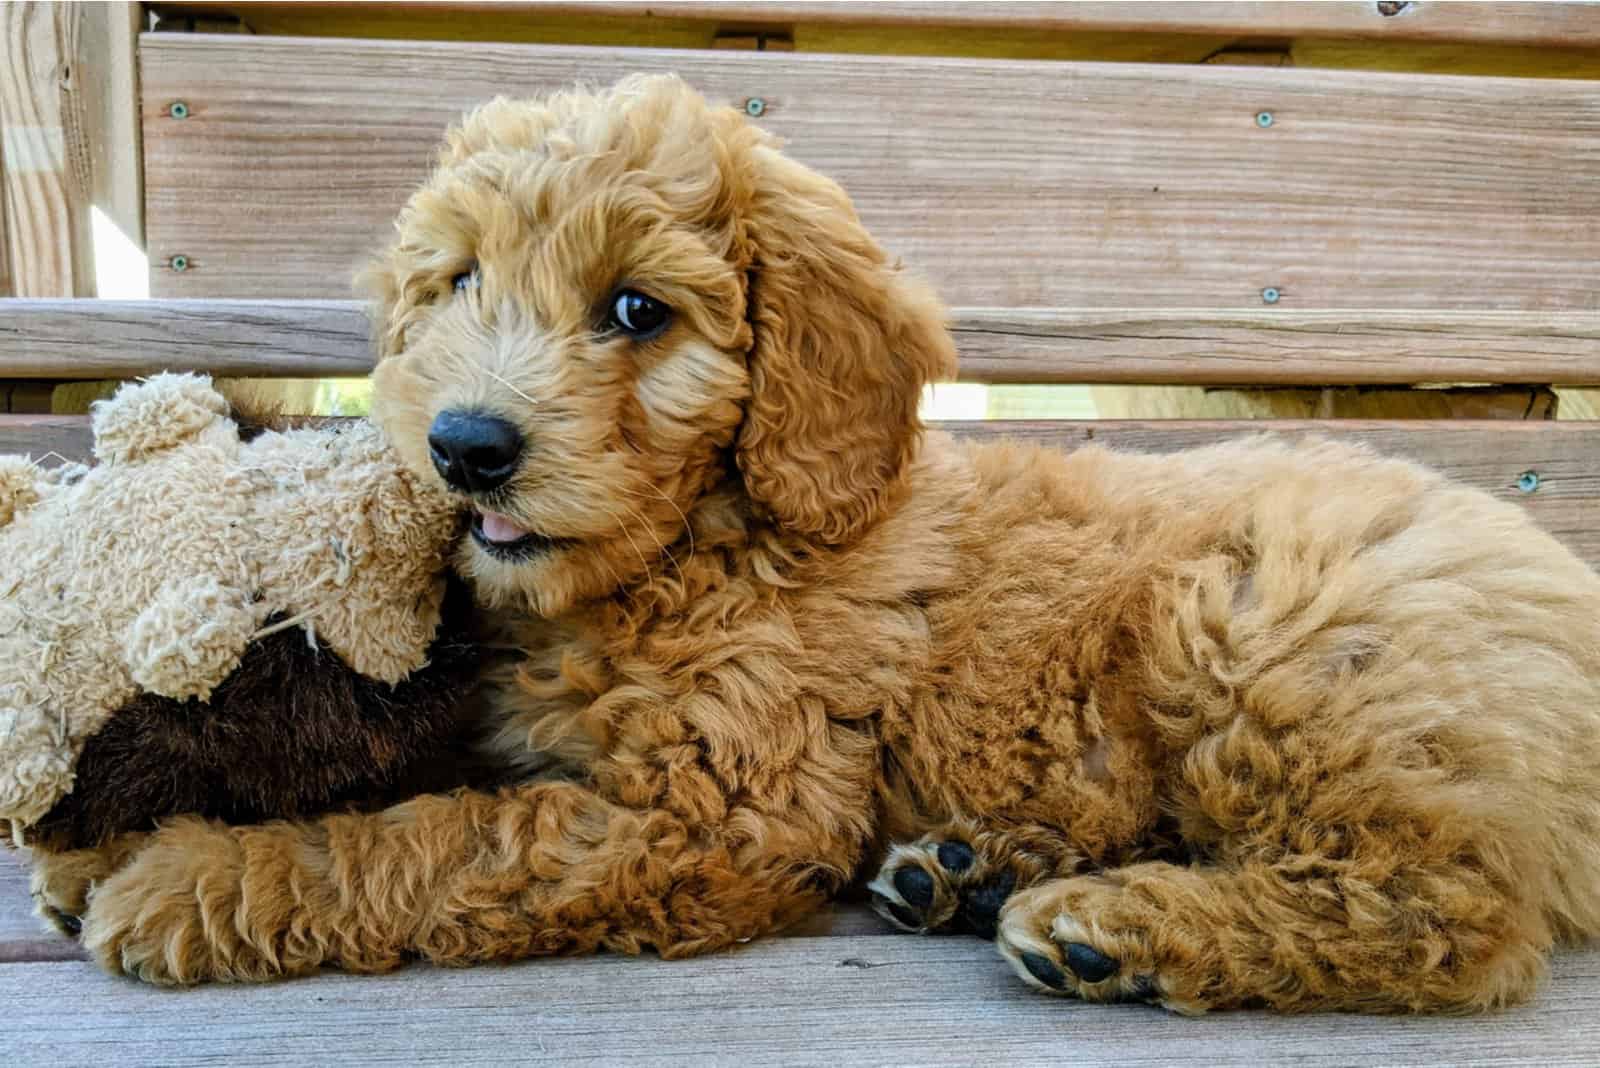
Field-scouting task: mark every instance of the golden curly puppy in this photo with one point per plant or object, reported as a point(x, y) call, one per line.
point(1260, 724)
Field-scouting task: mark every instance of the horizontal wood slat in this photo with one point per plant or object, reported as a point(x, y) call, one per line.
point(1569, 24)
point(128, 338)
point(1559, 24)
point(839, 1000)
point(1012, 184)
point(1565, 456)
point(57, 339)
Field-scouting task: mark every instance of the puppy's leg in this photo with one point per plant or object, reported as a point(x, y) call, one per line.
point(1285, 935)
point(543, 869)
point(958, 877)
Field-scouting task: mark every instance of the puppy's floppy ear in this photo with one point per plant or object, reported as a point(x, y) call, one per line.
point(843, 345)
point(395, 302)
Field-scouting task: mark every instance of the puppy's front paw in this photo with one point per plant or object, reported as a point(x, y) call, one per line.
point(174, 915)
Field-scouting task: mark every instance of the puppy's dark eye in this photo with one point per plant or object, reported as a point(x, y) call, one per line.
point(638, 316)
point(467, 279)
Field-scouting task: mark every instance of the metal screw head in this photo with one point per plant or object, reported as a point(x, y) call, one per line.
point(755, 107)
point(179, 263)
point(1528, 481)
point(1270, 294)
point(178, 109)
point(1263, 119)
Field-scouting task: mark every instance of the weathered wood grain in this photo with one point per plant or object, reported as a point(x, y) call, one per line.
point(129, 338)
point(1010, 184)
point(1557, 24)
point(47, 168)
point(108, 74)
point(1541, 23)
point(1291, 347)
point(889, 999)
point(49, 438)
point(293, 338)
point(1492, 455)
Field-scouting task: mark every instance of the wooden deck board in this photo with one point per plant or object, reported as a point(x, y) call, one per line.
point(55, 339)
point(851, 999)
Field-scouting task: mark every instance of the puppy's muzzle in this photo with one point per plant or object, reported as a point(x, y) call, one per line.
point(474, 452)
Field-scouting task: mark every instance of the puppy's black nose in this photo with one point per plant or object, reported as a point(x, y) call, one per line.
point(474, 452)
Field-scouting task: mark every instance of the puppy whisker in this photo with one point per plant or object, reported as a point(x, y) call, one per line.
point(651, 530)
point(624, 528)
point(510, 386)
point(687, 527)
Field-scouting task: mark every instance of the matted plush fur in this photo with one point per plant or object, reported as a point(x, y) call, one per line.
point(1262, 724)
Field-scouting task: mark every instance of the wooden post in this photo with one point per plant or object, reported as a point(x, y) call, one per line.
point(69, 108)
point(47, 168)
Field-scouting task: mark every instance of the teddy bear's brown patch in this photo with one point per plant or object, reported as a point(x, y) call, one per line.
point(290, 733)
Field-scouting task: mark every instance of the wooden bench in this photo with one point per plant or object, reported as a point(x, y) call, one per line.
point(1353, 209)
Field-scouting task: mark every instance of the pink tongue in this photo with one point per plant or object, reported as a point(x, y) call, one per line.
point(497, 527)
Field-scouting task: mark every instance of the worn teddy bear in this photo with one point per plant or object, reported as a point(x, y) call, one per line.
point(203, 623)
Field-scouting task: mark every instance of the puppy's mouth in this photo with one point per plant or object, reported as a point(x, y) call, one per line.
point(501, 536)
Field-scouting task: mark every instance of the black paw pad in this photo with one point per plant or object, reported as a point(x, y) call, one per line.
point(980, 906)
point(1089, 964)
point(915, 886)
point(898, 911)
point(1044, 970)
point(956, 856)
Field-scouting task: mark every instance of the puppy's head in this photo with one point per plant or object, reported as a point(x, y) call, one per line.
point(603, 306)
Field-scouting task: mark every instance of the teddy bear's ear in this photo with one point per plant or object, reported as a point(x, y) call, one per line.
point(159, 413)
point(191, 637)
point(19, 486)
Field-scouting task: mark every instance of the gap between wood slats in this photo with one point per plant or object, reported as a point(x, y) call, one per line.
point(321, 339)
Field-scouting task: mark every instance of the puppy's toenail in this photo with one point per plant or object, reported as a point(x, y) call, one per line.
point(898, 911)
point(915, 885)
point(955, 856)
point(69, 923)
point(1044, 970)
point(1089, 964)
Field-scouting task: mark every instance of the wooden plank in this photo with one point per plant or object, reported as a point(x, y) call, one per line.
point(891, 999)
point(1554, 24)
point(108, 73)
point(1490, 455)
point(47, 170)
point(1011, 184)
point(49, 438)
point(130, 338)
point(7, 287)
point(328, 338)
point(1291, 347)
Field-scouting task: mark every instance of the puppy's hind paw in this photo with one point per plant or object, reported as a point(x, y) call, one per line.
point(955, 880)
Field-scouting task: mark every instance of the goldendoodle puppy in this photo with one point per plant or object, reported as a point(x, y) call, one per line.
point(1262, 724)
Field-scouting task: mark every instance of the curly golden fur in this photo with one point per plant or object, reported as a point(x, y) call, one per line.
point(1274, 724)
